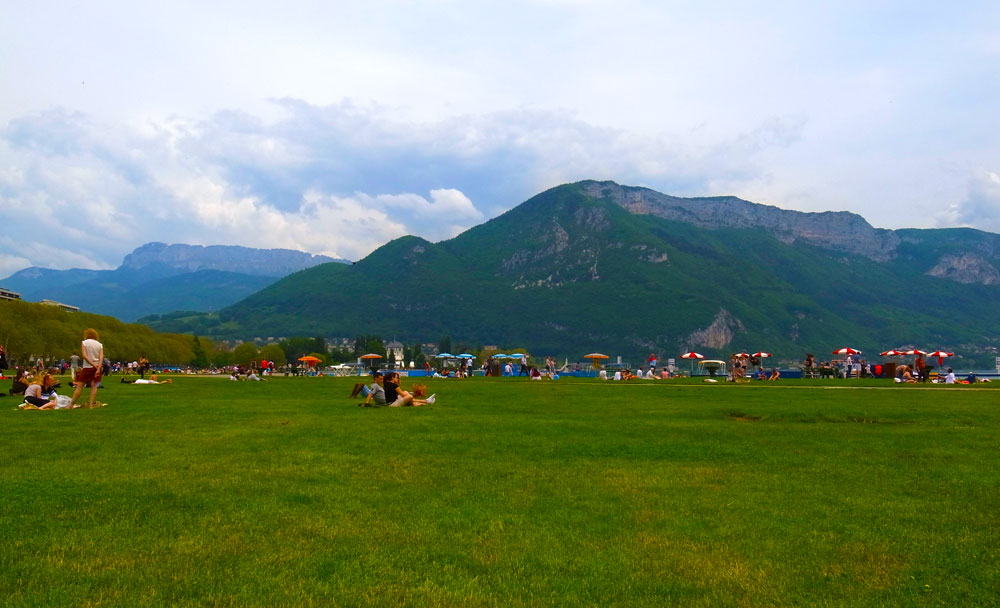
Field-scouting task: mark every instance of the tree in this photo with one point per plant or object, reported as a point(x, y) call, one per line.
point(419, 359)
point(444, 345)
point(297, 347)
point(200, 358)
point(222, 358)
point(340, 355)
point(274, 353)
point(245, 354)
point(368, 344)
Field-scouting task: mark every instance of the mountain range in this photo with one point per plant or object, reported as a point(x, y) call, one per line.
point(599, 266)
point(157, 278)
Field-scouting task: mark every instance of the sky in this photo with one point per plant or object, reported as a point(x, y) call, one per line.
point(335, 126)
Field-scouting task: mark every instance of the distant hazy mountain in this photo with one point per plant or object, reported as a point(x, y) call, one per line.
point(160, 278)
point(598, 266)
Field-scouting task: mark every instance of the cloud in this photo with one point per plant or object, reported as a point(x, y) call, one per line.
point(980, 207)
point(340, 179)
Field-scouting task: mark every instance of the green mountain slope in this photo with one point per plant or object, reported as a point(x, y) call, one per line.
point(593, 266)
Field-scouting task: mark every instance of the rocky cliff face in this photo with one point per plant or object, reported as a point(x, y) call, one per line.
point(840, 231)
point(192, 258)
point(717, 335)
point(965, 268)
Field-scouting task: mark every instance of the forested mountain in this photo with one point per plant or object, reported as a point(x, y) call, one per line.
point(158, 278)
point(598, 266)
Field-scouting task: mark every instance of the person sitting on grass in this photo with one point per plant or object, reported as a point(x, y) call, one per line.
point(360, 388)
point(905, 375)
point(775, 374)
point(20, 382)
point(33, 393)
point(950, 378)
point(41, 395)
point(375, 394)
point(397, 397)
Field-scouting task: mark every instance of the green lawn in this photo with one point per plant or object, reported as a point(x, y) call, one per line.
point(506, 492)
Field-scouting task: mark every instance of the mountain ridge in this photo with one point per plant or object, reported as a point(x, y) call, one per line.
point(160, 278)
point(594, 265)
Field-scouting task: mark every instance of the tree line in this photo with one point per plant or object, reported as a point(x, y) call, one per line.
point(29, 331)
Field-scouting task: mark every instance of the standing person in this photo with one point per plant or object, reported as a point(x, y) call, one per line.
point(524, 367)
point(921, 368)
point(651, 361)
point(93, 364)
point(143, 366)
point(3, 360)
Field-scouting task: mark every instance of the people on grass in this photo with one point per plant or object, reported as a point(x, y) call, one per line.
point(950, 378)
point(775, 374)
point(33, 392)
point(395, 396)
point(93, 364)
point(904, 375)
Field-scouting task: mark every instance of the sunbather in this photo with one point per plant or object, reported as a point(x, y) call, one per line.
point(152, 380)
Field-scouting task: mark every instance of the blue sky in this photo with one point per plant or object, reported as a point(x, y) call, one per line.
point(333, 127)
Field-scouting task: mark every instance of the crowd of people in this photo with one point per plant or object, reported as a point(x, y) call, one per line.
point(39, 385)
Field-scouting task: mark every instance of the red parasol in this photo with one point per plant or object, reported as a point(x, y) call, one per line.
point(940, 354)
point(847, 350)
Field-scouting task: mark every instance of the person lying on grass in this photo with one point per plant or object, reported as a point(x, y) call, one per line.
point(152, 380)
point(397, 397)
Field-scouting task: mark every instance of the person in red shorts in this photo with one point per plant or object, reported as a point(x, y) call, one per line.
point(93, 361)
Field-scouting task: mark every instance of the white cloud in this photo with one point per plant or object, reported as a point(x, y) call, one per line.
point(981, 206)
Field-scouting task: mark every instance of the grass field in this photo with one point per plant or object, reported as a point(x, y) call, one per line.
point(505, 493)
